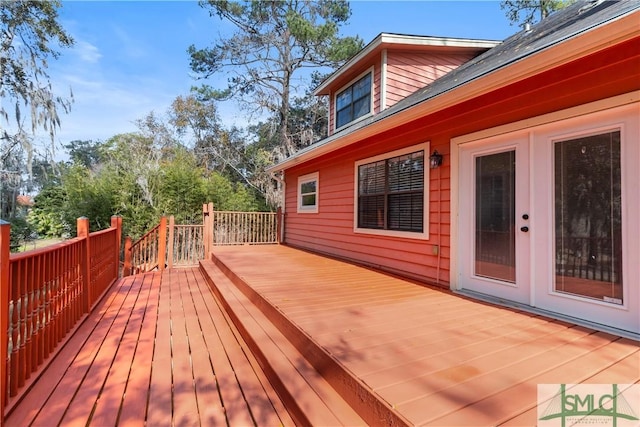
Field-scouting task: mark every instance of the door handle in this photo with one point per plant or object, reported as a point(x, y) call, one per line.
point(524, 229)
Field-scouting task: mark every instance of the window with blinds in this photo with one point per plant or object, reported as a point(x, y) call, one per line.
point(391, 193)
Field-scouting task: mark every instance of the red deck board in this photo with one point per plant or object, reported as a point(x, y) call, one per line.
point(185, 409)
point(134, 404)
point(107, 409)
point(223, 348)
point(160, 408)
point(466, 352)
point(60, 398)
point(510, 401)
point(264, 417)
point(89, 391)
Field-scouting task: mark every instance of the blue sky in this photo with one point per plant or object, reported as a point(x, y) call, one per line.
point(130, 56)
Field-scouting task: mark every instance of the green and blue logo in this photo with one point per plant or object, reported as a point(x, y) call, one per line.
point(588, 404)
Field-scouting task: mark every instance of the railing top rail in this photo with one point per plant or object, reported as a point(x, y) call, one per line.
point(101, 232)
point(245, 213)
point(40, 251)
point(145, 235)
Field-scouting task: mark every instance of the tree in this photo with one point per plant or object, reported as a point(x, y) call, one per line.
point(274, 41)
point(86, 153)
point(522, 12)
point(308, 117)
point(29, 35)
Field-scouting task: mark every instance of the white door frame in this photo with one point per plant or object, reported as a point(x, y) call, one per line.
point(625, 107)
point(518, 291)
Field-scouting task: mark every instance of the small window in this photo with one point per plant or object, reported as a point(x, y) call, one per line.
point(390, 194)
point(308, 193)
point(354, 101)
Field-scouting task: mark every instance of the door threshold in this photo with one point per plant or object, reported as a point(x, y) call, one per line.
point(553, 315)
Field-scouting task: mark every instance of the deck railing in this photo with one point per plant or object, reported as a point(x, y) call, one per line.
point(245, 228)
point(186, 244)
point(147, 253)
point(170, 245)
point(45, 292)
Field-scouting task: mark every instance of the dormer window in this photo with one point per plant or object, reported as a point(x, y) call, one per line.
point(354, 101)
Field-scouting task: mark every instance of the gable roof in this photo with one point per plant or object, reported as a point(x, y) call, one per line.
point(521, 51)
point(404, 41)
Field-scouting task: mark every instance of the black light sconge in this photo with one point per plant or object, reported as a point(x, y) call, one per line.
point(435, 159)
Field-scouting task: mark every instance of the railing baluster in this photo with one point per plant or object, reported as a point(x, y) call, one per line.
point(44, 301)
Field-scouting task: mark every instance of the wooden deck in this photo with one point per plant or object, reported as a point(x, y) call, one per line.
point(433, 357)
point(160, 350)
point(157, 350)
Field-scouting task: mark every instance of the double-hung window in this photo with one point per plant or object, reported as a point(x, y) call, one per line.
point(308, 193)
point(392, 194)
point(354, 101)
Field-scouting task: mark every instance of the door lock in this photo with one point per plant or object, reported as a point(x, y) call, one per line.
point(524, 229)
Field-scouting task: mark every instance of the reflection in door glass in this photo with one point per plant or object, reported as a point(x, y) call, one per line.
point(495, 249)
point(588, 246)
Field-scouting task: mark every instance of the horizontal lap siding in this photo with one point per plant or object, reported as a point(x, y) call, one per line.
point(330, 231)
point(410, 71)
point(598, 76)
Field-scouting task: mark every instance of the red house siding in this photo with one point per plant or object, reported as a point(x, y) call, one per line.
point(406, 72)
point(330, 231)
point(597, 76)
point(410, 71)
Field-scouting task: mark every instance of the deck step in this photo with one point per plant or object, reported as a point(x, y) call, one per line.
point(360, 397)
point(309, 398)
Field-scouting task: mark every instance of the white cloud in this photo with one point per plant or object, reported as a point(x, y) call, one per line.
point(87, 52)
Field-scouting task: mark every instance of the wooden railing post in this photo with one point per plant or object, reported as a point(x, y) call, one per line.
point(279, 225)
point(172, 225)
point(162, 243)
point(82, 227)
point(5, 236)
point(116, 222)
point(126, 269)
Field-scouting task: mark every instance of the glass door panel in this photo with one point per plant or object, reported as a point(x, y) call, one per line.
point(495, 241)
point(588, 217)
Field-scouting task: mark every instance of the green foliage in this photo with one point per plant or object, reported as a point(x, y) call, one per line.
point(139, 178)
point(29, 34)
point(46, 215)
point(21, 232)
point(182, 188)
point(522, 12)
point(85, 153)
point(87, 196)
point(228, 196)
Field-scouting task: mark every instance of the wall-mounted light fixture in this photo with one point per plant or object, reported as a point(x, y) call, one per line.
point(435, 159)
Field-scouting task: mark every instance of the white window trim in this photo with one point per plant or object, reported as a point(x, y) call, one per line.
point(342, 89)
point(424, 147)
point(303, 180)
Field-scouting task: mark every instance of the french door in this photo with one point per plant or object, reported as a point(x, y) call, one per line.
point(549, 217)
point(494, 186)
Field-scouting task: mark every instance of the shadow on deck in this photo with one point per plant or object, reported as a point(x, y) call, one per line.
point(289, 337)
